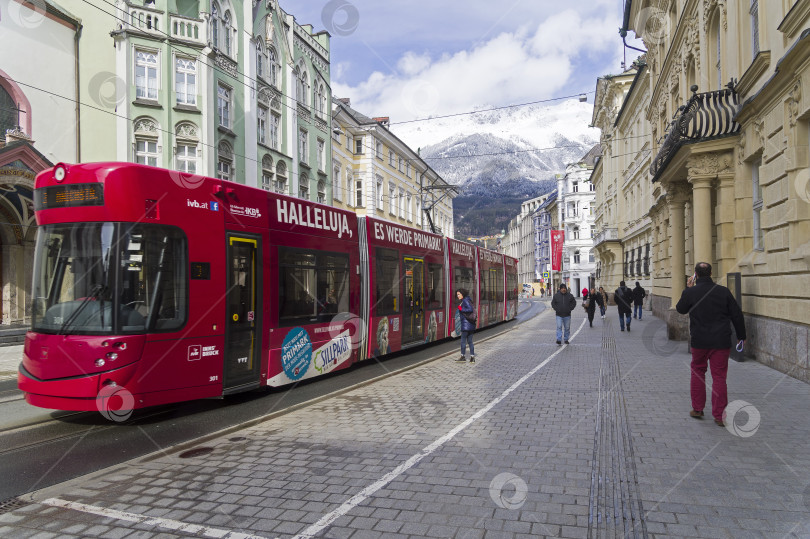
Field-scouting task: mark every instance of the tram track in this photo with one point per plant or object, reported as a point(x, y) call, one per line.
point(43, 451)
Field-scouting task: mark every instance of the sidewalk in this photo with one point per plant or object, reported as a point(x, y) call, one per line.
point(587, 440)
point(10, 359)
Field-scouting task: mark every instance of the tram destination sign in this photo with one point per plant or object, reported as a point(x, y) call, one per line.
point(69, 196)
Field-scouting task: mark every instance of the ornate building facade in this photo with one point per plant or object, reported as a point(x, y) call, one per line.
point(729, 121)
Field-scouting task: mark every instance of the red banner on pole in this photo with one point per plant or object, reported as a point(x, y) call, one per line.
point(557, 239)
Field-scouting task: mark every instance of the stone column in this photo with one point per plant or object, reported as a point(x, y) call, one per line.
point(725, 215)
point(676, 199)
point(702, 214)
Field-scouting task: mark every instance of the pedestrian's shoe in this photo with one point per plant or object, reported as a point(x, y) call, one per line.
point(628, 327)
point(591, 324)
point(719, 423)
point(697, 414)
point(461, 359)
point(558, 342)
point(566, 342)
point(622, 329)
point(472, 359)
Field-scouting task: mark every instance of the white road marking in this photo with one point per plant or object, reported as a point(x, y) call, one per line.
point(149, 521)
point(361, 496)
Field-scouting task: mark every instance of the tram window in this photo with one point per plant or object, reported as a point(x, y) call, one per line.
point(386, 282)
point(464, 278)
point(435, 286)
point(511, 286)
point(313, 286)
point(499, 285)
point(154, 278)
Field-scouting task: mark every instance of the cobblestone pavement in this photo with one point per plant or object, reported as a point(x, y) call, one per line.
point(587, 440)
point(10, 359)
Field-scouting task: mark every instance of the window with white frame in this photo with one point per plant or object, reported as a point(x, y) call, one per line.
point(185, 85)
point(146, 75)
point(322, 192)
point(272, 66)
point(401, 203)
point(227, 34)
point(392, 208)
point(408, 168)
point(358, 191)
point(756, 195)
point(320, 99)
point(349, 186)
point(379, 150)
point(336, 175)
point(576, 256)
point(303, 185)
point(390, 158)
point(380, 202)
point(321, 155)
point(215, 24)
point(187, 138)
point(575, 187)
point(267, 173)
point(302, 84)
point(418, 211)
point(275, 126)
point(225, 161)
point(147, 134)
point(400, 164)
point(303, 148)
point(408, 202)
point(261, 125)
point(358, 145)
point(280, 185)
point(260, 59)
point(224, 106)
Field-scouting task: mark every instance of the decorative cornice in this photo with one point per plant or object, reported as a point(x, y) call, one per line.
point(708, 164)
point(226, 64)
point(754, 71)
point(795, 18)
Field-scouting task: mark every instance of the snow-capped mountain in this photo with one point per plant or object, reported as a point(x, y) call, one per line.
point(511, 154)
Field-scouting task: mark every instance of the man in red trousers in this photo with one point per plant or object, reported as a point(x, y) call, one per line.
point(710, 307)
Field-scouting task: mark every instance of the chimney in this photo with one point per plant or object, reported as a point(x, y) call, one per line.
point(383, 121)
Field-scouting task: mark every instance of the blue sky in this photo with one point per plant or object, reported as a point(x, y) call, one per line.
point(417, 58)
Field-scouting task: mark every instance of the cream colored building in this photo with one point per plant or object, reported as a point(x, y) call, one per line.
point(727, 105)
point(521, 239)
point(623, 233)
point(378, 175)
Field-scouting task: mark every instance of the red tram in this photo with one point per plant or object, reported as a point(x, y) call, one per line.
point(159, 287)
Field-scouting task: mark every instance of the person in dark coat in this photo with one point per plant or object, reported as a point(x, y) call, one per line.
point(603, 306)
point(638, 300)
point(563, 304)
point(710, 307)
point(466, 308)
point(623, 297)
point(593, 300)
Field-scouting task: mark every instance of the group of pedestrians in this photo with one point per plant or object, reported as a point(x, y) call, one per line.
point(710, 308)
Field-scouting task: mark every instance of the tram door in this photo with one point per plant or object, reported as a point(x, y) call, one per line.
point(242, 347)
point(413, 314)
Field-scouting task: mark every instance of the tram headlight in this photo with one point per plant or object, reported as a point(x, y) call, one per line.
point(59, 173)
point(100, 362)
point(112, 356)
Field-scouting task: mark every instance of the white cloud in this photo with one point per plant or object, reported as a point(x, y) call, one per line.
point(526, 64)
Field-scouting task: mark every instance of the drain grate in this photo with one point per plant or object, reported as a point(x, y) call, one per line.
point(11, 504)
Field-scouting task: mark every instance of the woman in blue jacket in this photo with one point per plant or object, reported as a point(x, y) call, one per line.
point(467, 328)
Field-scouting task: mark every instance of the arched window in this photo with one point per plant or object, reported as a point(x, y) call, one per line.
point(260, 59)
point(227, 33)
point(267, 173)
point(215, 22)
point(272, 68)
point(297, 87)
point(281, 177)
point(322, 192)
point(302, 84)
point(576, 256)
point(576, 232)
point(147, 141)
point(225, 161)
point(186, 150)
point(715, 52)
point(8, 112)
point(336, 181)
point(303, 185)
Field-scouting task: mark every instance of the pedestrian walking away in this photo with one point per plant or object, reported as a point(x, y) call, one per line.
point(603, 305)
point(711, 307)
point(584, 293)
point(590, 304)
point(638, 300)
point(563, 304)
point(468, 321)
point(623, 297)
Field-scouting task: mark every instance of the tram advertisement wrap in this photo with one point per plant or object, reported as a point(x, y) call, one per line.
point(299, 361)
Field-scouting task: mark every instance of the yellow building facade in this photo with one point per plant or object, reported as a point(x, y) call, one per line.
point(726, 105)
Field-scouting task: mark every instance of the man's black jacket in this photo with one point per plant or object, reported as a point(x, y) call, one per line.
point(711, 307)
point(563, 304)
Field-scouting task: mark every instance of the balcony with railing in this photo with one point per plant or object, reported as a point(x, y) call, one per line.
point(607, 234)
point(187, 29)
point(706, 116)
point(143, 19)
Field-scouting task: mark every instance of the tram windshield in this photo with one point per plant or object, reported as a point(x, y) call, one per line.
point(109, 278)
